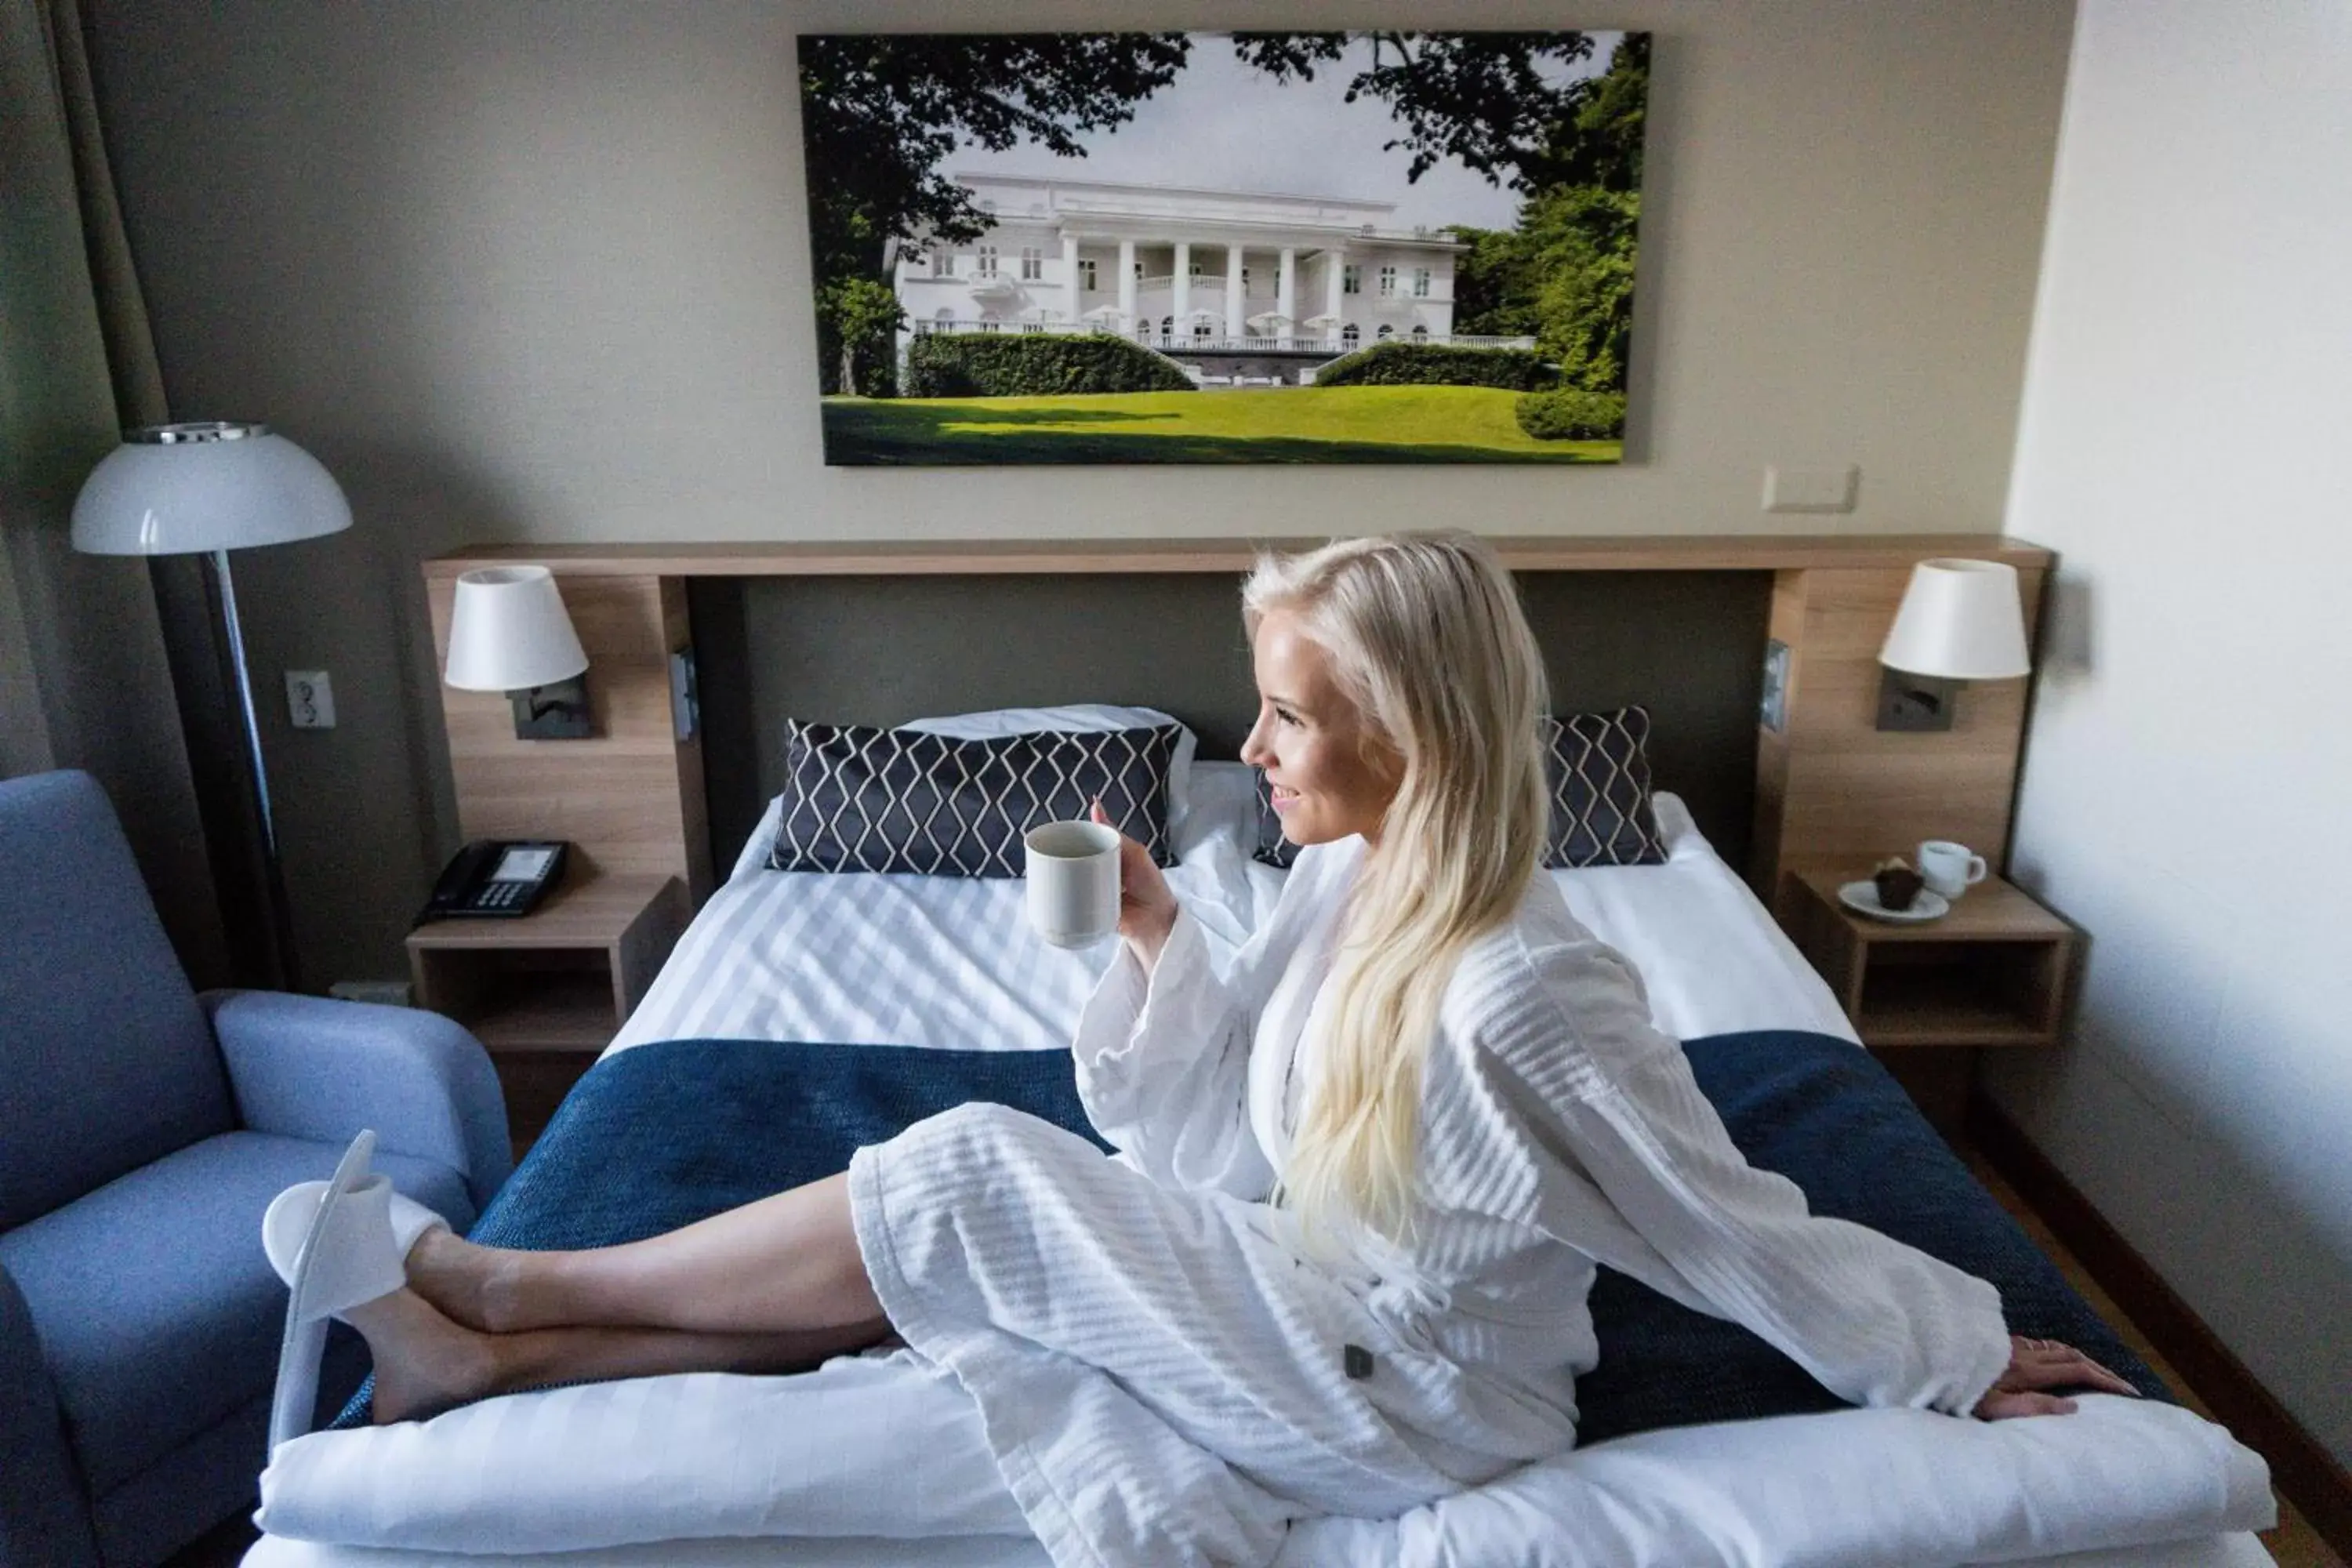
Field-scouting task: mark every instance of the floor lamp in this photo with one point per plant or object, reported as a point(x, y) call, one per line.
point(207, 488)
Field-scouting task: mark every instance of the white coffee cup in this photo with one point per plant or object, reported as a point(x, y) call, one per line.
point(1073, 871)
point(1949, 868)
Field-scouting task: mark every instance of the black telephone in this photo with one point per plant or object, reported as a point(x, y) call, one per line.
point(497, 878)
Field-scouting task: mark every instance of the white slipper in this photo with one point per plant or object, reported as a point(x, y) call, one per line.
point(338, 1244)
point(363, 1251)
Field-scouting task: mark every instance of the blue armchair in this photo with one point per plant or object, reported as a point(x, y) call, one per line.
point(143, 1129)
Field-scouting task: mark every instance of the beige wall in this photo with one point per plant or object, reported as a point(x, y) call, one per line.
point(2183, 445)
point(535, 270)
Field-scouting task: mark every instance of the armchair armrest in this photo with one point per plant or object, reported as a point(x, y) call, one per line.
point(306, 1067)
point(44, 1518)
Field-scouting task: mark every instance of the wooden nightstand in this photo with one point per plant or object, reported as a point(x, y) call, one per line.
point(546, 992)
point(1926, 997)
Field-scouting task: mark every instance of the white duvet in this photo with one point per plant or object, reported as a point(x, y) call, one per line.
point(887, 1448)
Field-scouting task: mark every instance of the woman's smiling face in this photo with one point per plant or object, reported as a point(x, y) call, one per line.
point(1330, 776)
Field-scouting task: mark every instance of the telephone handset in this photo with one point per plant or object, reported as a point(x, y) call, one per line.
point(496, 877)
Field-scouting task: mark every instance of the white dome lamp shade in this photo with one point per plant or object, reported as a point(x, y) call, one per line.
point(205, 489)
point(508, 632)
point(1959, 621)
point(184, 489)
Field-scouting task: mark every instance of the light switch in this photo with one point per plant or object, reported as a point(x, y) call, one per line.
point(310, 699)
point(1811, 490)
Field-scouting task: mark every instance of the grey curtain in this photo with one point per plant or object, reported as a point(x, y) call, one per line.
point(85, 675)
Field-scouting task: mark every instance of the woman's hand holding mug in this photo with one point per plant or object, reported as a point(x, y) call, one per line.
point(1147, 905)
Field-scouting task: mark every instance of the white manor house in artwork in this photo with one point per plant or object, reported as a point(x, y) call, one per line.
point(1210, 278)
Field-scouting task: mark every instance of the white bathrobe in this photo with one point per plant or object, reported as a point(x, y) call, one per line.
point(1167, 1374)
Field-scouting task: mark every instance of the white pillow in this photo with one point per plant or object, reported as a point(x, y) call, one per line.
point(1882, 1486)
point(1080, 718)
point(825, 1454)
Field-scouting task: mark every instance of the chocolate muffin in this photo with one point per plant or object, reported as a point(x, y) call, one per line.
point(1897, 884)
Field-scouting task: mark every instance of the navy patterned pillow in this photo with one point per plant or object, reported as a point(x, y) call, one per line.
point(1599, 768)
point(1598, 765)
point(862, 799)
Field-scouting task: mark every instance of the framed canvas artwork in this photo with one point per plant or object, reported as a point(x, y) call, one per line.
point(1223, 248)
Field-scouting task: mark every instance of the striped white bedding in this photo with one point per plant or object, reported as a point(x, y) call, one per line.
point(864, 958)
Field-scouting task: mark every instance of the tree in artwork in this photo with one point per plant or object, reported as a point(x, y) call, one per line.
point(1565, 273)
point(880, 112)
point(857, 321)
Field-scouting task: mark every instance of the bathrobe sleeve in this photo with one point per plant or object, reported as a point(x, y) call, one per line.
point(1163, 1062)
point(1562, 1107)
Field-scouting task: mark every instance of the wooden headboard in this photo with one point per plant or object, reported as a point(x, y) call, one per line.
point(1828, 787)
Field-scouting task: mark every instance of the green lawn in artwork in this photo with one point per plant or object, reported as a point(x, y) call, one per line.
point(1275, 424)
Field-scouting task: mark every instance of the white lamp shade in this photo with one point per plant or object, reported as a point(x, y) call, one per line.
point(1959, 620)
point(177, 489)
point(508, 632)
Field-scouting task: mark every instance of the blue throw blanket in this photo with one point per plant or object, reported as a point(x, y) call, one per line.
point(665, 1134)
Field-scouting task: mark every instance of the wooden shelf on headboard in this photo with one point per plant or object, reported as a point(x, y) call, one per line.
point(1833, 791)
point(629, 796)
point(1830, 789)
point(935, 557)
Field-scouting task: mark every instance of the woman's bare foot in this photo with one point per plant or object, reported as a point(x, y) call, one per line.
point(477, 1287)
point(424, 1363)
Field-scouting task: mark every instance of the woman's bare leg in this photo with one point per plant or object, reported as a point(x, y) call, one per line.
point(425, 1363)
point(786, 1264)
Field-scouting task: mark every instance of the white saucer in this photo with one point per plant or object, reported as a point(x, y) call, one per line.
point(1863, 897)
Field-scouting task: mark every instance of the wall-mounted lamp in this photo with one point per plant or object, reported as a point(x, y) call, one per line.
point(508, 632)
point(1959, 621)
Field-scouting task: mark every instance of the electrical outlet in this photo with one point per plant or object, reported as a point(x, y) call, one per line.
point(310, 699)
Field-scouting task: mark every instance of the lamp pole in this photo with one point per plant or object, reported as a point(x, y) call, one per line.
point(273, 868)
point(227, 580)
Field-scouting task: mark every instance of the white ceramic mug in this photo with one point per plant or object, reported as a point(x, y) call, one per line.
point(1073, 871)
point(1949, 868)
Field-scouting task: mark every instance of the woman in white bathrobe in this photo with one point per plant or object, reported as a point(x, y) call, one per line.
point(1340, 1262)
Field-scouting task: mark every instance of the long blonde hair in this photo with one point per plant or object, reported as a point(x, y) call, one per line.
point(1426, 637)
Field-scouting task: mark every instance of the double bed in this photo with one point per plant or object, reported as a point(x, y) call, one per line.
point(862, 960)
